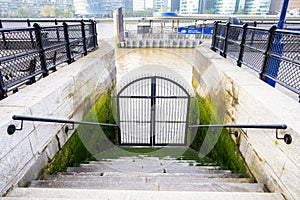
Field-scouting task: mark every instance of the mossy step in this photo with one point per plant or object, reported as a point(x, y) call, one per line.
point(56, 193)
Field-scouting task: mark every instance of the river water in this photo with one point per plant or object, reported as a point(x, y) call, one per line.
point(160, 61)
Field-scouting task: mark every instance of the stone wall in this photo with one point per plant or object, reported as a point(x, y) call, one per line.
point(245, 99)
point(65, 94)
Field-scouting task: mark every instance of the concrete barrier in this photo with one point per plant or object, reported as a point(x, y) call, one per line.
point(249, 100)
point(66, 94)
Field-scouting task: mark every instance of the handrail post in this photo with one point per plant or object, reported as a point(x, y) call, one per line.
point(83, 38)
point(41, 49)
point(242, 45)
point(267, 52)
point(224, 53)
point(68, 49)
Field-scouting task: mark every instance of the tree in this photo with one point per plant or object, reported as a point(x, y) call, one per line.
point(50, 11)
point(24, 12)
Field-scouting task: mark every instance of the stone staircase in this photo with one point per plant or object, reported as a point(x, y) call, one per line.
point(144, 178)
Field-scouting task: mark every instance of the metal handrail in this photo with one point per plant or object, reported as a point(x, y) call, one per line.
point(11, 129)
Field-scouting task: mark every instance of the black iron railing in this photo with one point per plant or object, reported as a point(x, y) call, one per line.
point(26, 52)
point(272, 53)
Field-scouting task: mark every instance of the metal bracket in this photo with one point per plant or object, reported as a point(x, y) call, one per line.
point(287, 138)
point(11, 129)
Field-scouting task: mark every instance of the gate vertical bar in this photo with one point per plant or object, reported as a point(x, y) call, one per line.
point(119, 123)
point(187, 120)
point(153, 103)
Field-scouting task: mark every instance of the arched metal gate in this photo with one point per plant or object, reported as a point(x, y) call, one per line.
point(153, 111)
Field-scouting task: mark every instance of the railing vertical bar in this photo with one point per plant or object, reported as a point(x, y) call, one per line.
point(30, 34)
point(57, 31)
point(267, 52)
point(3, 88)
point(5, 44)
point(68, 49)
point(83, 38)
point(225, 46)
point(38, 35)
point(242, 45)
point(214, 36)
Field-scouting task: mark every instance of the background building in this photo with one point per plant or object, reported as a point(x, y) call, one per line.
point(188, 7)
point(9, 8)
point(139, 5)
point(226, 7)
point(160, 5)
point(257, 7)
point(175, 5)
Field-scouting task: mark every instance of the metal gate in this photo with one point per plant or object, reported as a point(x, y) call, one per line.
point(153, 111)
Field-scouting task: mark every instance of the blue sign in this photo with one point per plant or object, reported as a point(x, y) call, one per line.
point(185, 30)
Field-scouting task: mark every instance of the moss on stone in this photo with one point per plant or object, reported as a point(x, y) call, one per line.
point(225, 152)
point(75, 151)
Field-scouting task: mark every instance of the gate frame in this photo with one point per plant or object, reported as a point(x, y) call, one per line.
point(153, 98)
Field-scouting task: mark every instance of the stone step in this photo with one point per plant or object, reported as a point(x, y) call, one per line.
point(54, 194)
point(146, 169)
point(141, 174)
point(161, 165)
point(146, 179)
point(152, 186)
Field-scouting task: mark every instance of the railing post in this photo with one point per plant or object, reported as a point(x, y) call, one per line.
point(68, 49)
point(94, 30)
point(30, 33)
point(57, 32)
point(3, 88)
point(83, 38)
point(214, 36)
point(5, 44)
point(242, 45)
point(224, 53)
point(41, 49)
point(252, 35)
point(267, 52)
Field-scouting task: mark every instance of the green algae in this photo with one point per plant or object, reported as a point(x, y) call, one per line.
point(76, 149)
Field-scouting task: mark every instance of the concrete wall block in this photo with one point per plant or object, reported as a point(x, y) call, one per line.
point(62, 138)
point(9, 142)
point(39, 162)
point(12, 165)
point(250, 101)
point(43, 134)
point(52, 148)
point(66, 94)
